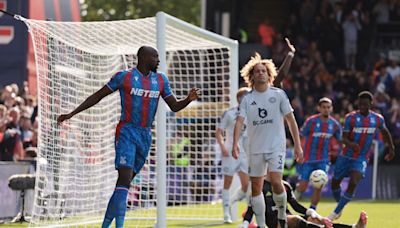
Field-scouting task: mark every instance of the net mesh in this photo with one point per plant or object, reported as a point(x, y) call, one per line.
point(75, 169)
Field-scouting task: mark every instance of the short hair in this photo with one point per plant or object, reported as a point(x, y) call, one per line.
point(324, 100)
point(365, 95)
point(247, 70)
point(242, 91)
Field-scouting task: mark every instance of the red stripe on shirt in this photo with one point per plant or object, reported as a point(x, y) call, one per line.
point(161, 84)
point(127, 85)
point(145, 100)
point(309, 142)
point(321, 141)
point(351, 133)
point(57, 10)
point(365, 123)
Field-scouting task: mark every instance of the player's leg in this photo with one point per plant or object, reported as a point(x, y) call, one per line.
point(226, 198)
point(304, 171)
point(342, 168)
point(357, 168)
point(117, 203)
point(228, 170)
point(125, 153)
point(242, 172)
point(316, 196)
point(257, 171)
point(275, 172)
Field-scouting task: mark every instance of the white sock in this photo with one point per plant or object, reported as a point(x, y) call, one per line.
point(280, 201)
point(238, 196)
point(225, 202)
point(258, 205)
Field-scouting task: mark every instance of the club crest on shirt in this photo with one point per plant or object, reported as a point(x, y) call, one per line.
point(272, 100)
point(153, 81)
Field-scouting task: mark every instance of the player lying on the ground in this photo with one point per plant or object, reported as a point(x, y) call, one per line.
point(296, 221)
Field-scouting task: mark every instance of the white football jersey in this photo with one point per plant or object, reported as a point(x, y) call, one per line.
point(227, 123)
point(264, 114)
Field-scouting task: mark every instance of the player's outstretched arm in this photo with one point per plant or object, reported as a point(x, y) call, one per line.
point(177, 105)
point(387, 137)
point(236, 135)
point(294, 131)
point(89, 102)
point(284, 68)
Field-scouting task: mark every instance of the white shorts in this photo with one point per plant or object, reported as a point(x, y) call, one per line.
point(259, 164)
point(230, 166)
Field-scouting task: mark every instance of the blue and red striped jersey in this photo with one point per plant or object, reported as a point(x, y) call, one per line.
point(362, 130)
point(318, 133)
point(139, 95)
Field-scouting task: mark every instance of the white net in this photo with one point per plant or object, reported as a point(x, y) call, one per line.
point(75, 170)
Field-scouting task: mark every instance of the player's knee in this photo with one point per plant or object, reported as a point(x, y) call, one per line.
point(302, 186)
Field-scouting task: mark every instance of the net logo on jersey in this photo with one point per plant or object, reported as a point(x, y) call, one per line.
point(145, 93)
point(322, 134)
point(363, 130)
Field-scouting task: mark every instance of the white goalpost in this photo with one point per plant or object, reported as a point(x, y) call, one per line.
point(75, 170)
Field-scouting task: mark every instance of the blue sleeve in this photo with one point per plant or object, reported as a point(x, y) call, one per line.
point(166, 91)
point(382, 124)
point(338, 133)
point(305, 129)
point(116, 81)
point(347, 124)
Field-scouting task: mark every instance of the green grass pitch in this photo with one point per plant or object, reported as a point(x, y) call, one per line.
point(381, 214)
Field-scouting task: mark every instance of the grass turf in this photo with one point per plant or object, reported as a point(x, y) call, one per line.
point(381, 214)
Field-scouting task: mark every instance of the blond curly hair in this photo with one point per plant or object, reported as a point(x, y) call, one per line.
point(247, 71)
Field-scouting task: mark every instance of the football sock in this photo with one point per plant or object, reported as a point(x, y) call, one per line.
point(258, 204)
point(116, 208)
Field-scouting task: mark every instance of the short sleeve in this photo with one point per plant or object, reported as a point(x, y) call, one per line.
point(381, 122)
point(338, 131)
point(223, 123)
point(243, 107)
point(347, 123)
point(165, 87)
point(116, 81)
point(305, 129)
point(285, 106)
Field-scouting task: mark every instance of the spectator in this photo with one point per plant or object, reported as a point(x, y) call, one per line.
point(350, 35)
point(266, 32)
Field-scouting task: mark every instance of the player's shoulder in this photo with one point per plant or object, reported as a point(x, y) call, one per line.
point(278, 92)
point(313, 117)
point(334, 120)
point(350, 114)
point(121, 73)
point(161, 74)
point(377, 114)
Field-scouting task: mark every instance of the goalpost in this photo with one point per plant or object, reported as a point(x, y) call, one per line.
point(75, 172)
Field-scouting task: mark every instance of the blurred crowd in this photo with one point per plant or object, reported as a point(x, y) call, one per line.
point(333, 57)
point(18, 124)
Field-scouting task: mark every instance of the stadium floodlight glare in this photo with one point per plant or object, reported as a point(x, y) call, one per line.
point(181, 177)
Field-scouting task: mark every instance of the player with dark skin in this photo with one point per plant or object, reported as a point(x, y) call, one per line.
point(148, 62)
point(353, 162)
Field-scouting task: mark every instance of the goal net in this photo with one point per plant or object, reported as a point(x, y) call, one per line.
point(75, 168)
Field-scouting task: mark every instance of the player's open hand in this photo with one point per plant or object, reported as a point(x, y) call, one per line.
point(62, 118)
point(235, 151)
point(390, 155)
point(194, 94)
point(290, 46)
point(298, 154)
